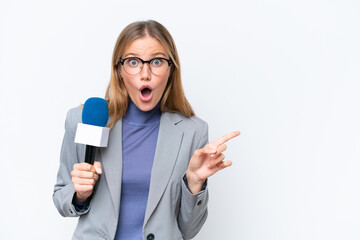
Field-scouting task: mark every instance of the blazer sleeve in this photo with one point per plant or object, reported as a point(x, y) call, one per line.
point(193, 207)
point(64, 190)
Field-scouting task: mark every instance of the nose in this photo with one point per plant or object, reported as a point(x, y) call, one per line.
point(145, 73)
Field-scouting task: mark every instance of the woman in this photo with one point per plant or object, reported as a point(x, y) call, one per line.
point(150, 182)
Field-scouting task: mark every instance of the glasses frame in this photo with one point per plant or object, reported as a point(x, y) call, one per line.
point(122, 61)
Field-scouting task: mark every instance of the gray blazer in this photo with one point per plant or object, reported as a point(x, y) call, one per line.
point(172, 212)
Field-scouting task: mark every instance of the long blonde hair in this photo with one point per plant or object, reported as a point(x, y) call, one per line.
point(173, 99)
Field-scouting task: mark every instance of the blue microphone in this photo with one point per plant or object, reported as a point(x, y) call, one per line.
point(95, 112)
point(92, 131)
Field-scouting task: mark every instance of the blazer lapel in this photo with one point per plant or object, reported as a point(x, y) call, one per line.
point(112, 163)
point(167, 148)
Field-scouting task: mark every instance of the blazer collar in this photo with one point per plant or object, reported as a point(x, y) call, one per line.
point(111, 158)
point(167, 148)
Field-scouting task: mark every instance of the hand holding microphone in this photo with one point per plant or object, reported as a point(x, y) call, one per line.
point(93, 133)
point(84, 177)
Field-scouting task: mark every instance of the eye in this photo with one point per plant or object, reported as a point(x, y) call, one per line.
point(157, 62)
point(133, 62)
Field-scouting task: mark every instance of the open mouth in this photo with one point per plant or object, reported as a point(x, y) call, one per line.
point(145, 93)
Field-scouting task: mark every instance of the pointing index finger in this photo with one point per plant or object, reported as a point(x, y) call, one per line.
point(225, 138)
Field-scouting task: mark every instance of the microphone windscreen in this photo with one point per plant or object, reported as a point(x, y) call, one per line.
point(95, 112)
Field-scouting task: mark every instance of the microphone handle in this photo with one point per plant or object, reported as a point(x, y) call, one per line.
point(90, 154)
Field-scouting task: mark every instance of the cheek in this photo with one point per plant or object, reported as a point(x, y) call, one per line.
point(165, 81)
point(128, 82)
point(162, 85)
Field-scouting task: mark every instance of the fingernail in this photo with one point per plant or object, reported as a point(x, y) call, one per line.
point(97, 169)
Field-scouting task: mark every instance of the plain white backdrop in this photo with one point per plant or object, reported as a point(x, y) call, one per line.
point(284, 73)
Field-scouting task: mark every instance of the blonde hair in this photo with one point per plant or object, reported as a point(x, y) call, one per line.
point(173, 99)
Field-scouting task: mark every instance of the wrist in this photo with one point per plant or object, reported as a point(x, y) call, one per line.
point(80, 198)
point(194, 183)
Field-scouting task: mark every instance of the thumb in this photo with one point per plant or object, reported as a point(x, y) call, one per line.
point(97, 166)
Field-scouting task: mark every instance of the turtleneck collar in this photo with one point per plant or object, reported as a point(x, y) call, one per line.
point(136, 116)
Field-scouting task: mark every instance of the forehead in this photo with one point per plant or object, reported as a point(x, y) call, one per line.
point(145, 46)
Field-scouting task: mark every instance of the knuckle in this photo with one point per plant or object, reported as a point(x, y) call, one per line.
point(212, 146)
point(75, 166)
point(89, 166)
point(92, 181)
point(86, 166)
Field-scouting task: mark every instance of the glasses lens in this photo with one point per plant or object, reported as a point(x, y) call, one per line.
point(132, 65)
point(159, 66)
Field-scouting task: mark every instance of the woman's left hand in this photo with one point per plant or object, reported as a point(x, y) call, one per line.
point(207, 161)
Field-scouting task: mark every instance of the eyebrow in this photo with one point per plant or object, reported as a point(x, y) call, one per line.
point(137, 55)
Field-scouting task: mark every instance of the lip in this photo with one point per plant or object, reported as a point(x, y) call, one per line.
point(145, 86)
point(147, 98)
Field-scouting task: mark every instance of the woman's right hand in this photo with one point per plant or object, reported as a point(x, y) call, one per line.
point(84, 177)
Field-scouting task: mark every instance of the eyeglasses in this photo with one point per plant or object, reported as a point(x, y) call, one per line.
point(134, 65)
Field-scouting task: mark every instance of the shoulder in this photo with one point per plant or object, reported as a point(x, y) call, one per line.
point(194, 129)
point(73, 117)
point(186, 124)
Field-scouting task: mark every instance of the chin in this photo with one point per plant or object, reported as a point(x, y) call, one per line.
point(145, 107)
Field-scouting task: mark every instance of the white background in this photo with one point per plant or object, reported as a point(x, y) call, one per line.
point(284, 73)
